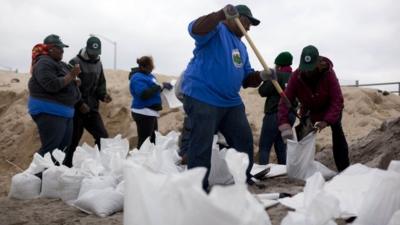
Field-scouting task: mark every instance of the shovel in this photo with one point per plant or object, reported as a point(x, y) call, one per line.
point(261, 59)
point(304, 128)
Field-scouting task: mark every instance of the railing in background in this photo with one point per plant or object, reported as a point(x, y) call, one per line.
point(357, 84)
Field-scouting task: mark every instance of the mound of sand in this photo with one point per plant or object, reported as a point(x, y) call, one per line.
point(376, 149)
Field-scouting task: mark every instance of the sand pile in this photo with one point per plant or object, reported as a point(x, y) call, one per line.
point(376, 149)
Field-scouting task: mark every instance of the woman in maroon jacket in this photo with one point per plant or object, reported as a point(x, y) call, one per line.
point(316, 87)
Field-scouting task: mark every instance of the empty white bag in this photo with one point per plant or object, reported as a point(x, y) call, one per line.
point(300, 159)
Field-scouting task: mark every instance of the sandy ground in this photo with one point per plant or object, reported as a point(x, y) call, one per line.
point(365, 110)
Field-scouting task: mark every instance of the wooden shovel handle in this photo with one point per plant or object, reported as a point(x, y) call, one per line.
point(262, 61)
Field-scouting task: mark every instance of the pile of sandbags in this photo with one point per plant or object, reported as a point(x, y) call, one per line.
point(371, 195)
point(93, 184)
point(150, 182)
point(159, 196)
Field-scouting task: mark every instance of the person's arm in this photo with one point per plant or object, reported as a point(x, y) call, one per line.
point(253, 79)
point(101, 88)
point(290, 91)
point(149, 92)
point(207, 23)
point(336, 100)
point(46, 75)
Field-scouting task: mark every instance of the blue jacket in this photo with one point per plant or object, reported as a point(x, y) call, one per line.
point(145, 91)
point(218, 68)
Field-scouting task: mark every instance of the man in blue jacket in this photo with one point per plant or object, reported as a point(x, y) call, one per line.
point(213, 78)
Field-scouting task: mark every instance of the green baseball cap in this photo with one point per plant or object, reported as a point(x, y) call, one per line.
point(53, 39)
point(309, 58)
point(243, 10)
point(93, 46)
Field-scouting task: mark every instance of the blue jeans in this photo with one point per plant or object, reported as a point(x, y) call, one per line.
point(54, 131)
point(205, 120)
point(270, 135)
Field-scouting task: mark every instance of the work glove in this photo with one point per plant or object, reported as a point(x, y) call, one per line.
point(230, 12)
point(84, 108)
point(166, 85)
point(320, 125)
point(269, 74)
point(286, 132)
point(107, 98)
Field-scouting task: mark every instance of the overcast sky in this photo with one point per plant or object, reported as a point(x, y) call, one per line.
point(361, 37)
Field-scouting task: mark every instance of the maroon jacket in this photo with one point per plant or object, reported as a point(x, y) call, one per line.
point(321, 96)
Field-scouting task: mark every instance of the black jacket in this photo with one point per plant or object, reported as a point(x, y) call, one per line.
point(93, 86)
point(268, 90)
point(47, 82)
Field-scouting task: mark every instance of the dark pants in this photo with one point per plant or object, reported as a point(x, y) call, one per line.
point(185, 136)
point(146, 127)
point(270, 135)
point(93, 123)
point(54, 131)
point(340, 147)
point(205, 120)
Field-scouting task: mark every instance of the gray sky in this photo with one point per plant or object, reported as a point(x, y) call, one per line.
point(361, 37)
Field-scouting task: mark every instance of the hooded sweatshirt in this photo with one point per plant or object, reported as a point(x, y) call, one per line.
point(320, 96)
point(268, 90)
point(93, 83)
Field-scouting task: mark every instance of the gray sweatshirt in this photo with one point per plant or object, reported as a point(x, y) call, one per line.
point(47, 82)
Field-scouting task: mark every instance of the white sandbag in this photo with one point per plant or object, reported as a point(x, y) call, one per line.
point(237, 163)
point(219, 171)
point(370, 194)
point(39, 163)
point(296, 218)
point(51, 182)
point(116, 145)
point(170, 97)
point(382, 199)
point(394, 166)
point(25, 186)
point(300, 159)
point(102, 202)
point(275, 169)
point(319, 207)
point(395, 220)
point(95, 183)
point(70, 184)
point(83, 153)
point(121, 187)
point(268, 199)
point(178, 199)
point(169, 141)
point(233, 205)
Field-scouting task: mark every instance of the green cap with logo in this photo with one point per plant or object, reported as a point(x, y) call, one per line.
point(93, 46)
point(243, 10)
point(53, 39)
point(309, 58)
